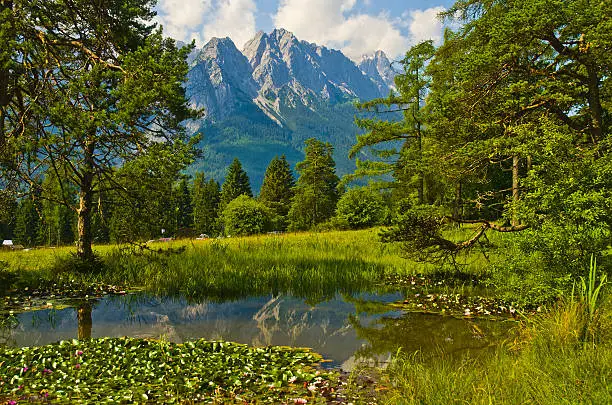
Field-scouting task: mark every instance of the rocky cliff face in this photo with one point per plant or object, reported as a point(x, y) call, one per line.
point(220, 80)
point(379, 69)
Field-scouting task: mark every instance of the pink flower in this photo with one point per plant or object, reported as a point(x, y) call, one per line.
point(78, 353)
point(77, 366)
point(12, 402)
point(25, 369)
point(47, 371)
point(300, 401)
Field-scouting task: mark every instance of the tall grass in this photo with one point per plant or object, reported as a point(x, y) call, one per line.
point(314, 263)
point(545, 364)
point(311, 266)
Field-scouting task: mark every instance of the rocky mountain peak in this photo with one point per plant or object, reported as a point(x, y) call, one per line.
point(379, 68)
point(276, 71)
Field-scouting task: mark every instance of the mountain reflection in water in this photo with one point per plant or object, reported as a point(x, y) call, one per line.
point(346, 330)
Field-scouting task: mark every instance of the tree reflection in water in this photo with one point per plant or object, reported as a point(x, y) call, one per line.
point(431, 335)
point(84, 320)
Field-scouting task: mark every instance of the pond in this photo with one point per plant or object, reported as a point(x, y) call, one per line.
point(347, 329)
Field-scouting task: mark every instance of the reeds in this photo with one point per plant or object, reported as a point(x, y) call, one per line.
point(546, 364)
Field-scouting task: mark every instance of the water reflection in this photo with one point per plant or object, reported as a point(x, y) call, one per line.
point(84, 320)
point(346, 329)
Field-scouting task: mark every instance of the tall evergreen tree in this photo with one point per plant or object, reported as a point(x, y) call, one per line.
point(316, 192)
point(236, 183)
point(206, 198)
point(277, 189)
point(399, 144)
point(28, 222)
point(8, 213)
point(184, 208)
point(149, 183)
point(534, 100)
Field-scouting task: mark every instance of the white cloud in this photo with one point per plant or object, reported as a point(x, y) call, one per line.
point(203, 19)
point(234, 19)
point(425, 25)
point(332, 23)
point(182, 18)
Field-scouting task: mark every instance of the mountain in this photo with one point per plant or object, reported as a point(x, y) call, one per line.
point(379, 68)
point(267, 99)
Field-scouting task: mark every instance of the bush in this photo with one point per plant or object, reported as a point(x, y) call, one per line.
point(361, 208)
point(246, 216)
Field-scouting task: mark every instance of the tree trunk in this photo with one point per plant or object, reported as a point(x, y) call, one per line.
point(529, 163)
point(457, 210)
point(515, 189)
point(84, 212)
point(84, 321)
point(421, 181)
point(595, 103)
point(5, 78)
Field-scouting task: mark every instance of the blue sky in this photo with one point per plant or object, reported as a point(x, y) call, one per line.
point(357, 27)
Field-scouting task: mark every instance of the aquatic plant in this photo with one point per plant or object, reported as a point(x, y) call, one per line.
point(135, 371)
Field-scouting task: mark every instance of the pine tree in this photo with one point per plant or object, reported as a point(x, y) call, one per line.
point(277, 189)
point(76, 90)
point(8, 211)
point(58, 220)
point(236, 183)
point(28, 222)
point(316, 193)
point(184, 208)
point(400, 144)
point(206, 197)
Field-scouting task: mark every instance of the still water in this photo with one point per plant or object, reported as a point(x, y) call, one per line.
point(346, 330)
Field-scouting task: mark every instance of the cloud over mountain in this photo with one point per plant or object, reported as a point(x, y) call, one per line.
point(349, 25)
point(331, 23)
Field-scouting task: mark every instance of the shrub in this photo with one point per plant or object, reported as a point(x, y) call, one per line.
point(246, 216)
point(361, 208)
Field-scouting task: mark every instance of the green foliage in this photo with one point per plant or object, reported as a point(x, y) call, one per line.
point(420, 232)
point(400, 145)
point(59, 221)
point(206, 199)
point(28, 223)
point(361, 208)
point(277, 189)
point(8, 215)
point(139, 370)
point(548, 368)
point(236, 184)
point(112, 90)
point(591, 299)
point(246, 216)
point(144, 204)
point(316, 192)
point(184, 208)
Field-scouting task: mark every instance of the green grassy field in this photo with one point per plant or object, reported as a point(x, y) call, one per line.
point(274, 260)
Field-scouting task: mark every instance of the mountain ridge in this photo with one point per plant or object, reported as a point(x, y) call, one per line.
point(267, 98)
